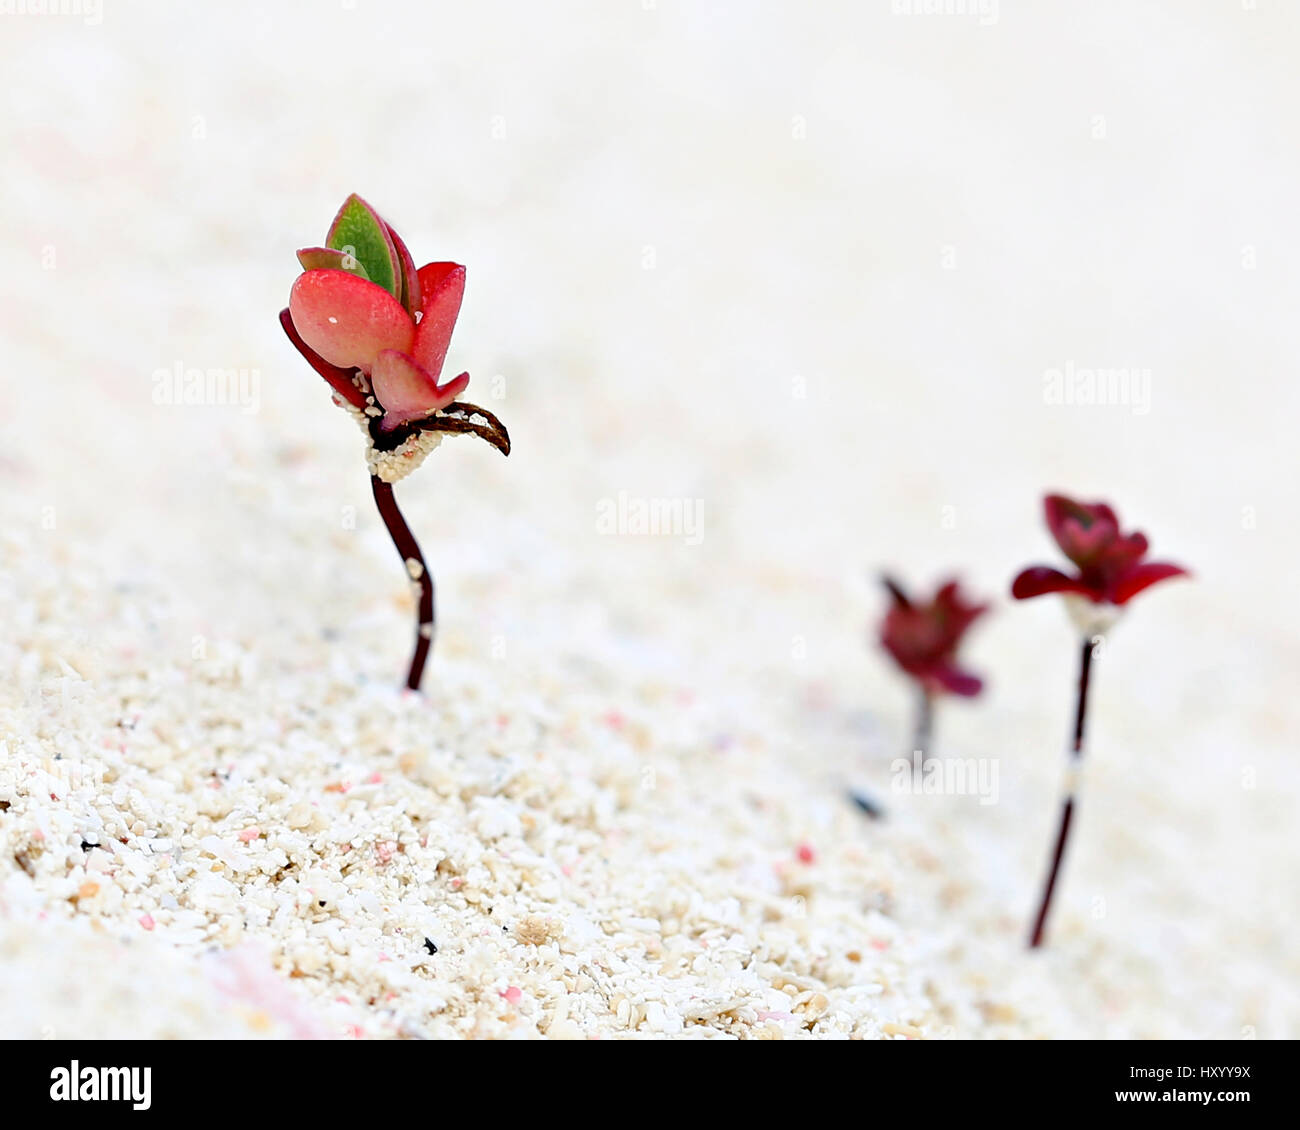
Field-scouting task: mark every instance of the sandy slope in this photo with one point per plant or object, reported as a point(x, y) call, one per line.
point(810, 274)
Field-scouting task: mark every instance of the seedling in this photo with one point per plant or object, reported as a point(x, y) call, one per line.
point(923, 638)
point(1111, 571)
point(378, 331)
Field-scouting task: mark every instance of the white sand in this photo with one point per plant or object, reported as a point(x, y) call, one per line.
point(810, 272)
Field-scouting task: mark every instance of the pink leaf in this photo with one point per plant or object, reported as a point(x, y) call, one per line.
point(348, 320)
point(443, 287)
point(340, 379)
point(408, 392)
point(326, 258)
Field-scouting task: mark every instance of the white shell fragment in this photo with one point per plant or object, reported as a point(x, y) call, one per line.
point(393, 466)
point(1092, 619)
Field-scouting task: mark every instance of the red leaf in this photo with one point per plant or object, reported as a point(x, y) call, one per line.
point(443, 287)
point(1143, 577)
point(956, 681)
point(1040, 580)
point(410, 277)
point(340, 380)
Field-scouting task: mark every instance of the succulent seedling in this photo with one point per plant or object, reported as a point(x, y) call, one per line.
point(1111, 571)
point(378, 331)
point(922, 637)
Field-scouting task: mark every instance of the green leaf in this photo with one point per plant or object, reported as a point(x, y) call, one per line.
point(358, 231)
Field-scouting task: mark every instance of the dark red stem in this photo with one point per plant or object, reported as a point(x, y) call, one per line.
point(409, 550)
point(1067, 809)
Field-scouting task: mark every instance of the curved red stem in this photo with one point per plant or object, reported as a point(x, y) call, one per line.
point(409, 550)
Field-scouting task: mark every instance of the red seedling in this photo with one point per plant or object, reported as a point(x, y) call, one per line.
point(1111, 571)
point(378, 331)
point(923, 638)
